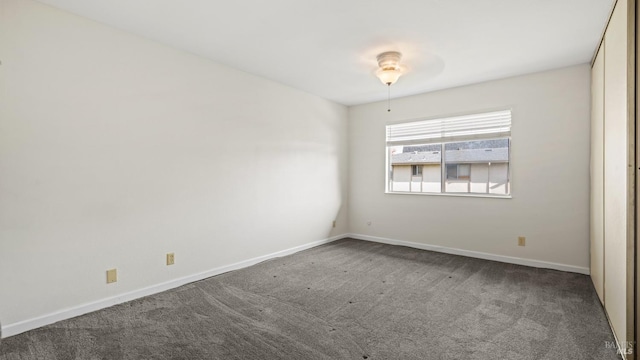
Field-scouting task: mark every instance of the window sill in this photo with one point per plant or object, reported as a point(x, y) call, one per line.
point(491, 196)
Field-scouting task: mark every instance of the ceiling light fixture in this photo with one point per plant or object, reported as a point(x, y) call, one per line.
point(389, 70)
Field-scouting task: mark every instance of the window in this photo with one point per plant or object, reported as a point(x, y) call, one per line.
point(462, 154)
point(458, 171)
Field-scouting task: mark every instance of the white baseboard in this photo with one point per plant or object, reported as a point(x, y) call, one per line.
point(30, 324)
point(475, 254)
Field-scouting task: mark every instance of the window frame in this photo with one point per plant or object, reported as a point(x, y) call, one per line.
point(389, 170)
point(458, 176)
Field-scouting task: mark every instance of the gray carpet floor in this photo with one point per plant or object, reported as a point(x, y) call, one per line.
point(348, 299)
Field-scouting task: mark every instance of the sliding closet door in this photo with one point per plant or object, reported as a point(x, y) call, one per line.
point(597, 173)
point(615, 170)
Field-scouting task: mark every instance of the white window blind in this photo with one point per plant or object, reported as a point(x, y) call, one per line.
point(456, 128)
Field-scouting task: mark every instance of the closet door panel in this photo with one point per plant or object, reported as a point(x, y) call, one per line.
point(597, 174)
point(615, 169)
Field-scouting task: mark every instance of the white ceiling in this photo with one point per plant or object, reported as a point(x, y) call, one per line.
point(328, 47)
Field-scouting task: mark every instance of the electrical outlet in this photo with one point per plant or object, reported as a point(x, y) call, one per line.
point(521, 240)
point(112, 276)
point(171, 258)
point(334, 223)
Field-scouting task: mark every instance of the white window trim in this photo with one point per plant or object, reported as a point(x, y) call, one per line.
point(475, 195)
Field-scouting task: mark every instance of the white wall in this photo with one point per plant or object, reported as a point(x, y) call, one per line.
point(499, 179)
point(431, 177)
point(479, 177)
point(115, 150)
point(401, 178)
point(550, 172)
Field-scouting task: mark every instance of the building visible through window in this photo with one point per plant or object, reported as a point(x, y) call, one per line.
point(467, 154)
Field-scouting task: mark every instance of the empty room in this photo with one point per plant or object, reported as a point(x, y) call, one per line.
point(296, 179)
